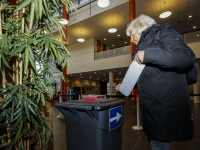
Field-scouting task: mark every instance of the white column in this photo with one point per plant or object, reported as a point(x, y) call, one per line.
point(196, 87)
point(111, 77)
point(111, 80)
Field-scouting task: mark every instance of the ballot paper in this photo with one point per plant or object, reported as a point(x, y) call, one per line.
point(131, 78)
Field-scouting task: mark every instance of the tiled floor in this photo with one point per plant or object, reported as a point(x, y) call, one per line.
point(131, 139)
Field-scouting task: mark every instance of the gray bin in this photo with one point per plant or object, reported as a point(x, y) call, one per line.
point(93, 125)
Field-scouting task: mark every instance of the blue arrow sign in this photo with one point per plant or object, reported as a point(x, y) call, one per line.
point(115, 117)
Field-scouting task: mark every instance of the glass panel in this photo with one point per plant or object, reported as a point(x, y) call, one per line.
point(120, 51)
point(192, 37)
point(110, 53)
point(83, 1)
point(99, 55)
point(128, 50)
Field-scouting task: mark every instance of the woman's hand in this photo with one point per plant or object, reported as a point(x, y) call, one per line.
point(118, 86)
point(139, 57)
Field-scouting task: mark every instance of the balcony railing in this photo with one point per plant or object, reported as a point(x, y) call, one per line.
point(112, 53)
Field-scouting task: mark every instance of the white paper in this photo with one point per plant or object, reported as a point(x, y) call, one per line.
point(131, 78)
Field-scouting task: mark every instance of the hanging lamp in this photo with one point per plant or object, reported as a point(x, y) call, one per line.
point(112, 30)
point(81, 39)
point(103, 3)
point(165, 14)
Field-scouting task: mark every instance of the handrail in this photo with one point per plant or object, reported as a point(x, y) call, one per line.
point(112, 52)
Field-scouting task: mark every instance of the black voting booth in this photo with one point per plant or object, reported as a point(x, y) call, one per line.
point(93, 125)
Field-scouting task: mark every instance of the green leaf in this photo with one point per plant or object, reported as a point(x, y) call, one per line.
point(17, 111)
point(18, 43)
point(38, 99)
point(30, 101)
point(31, 52)
point(51, 80)
point(12, 110)
point(32, 110)
point(7, 102)
point(53, 47)
point(5, 60)
point(33, 64)
point(19, 131)
point(40, 8)
point(42, 99)
point(18, 49)
point(26, 60)
point(32, 14)
point(16, 117)
point(13, 126)
point(26, 109)
point(23, 5)
point(36, 10)
point(46, 46)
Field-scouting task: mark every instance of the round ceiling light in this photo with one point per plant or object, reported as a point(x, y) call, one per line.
point(112, 30)
point(165, 14)
point(81, 40)
point(103, 3)
point(63, 21)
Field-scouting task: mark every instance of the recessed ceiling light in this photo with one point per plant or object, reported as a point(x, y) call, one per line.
point(81, 40)
point(190, 16)
point(197, 34)
point(94, 72)
point(165, 14)
point(90, 76)
point(103, 80)
point(103, 3)
point(125, 42)
point(103, 74)
point(63, 21)
point(80, 74)
point(98, 77)
point(194, 27)
point(118, 35)
point(81, 77)
point(70, 75)
point(120, 73)
point(104, 39)
point(113, 45)
point(112, 30)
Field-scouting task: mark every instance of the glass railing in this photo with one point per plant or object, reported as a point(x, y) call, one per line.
point(112, 52)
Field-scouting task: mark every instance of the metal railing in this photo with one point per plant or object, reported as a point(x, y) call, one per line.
point(112, 53)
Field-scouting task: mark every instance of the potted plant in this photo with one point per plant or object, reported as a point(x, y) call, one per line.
point(23, 45)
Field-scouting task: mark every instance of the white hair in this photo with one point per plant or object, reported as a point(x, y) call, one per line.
point(141, 23)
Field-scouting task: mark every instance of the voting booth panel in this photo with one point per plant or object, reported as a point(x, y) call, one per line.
point(93, 125)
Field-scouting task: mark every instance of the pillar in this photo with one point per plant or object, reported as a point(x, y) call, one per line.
point(132, 16)
point(64, 83)
point(111, 80)
point(196, 86)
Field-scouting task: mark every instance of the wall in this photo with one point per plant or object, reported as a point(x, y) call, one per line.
point(83, 55)
point(196, 48)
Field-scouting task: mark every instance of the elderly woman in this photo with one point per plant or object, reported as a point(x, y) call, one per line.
point(162, 85)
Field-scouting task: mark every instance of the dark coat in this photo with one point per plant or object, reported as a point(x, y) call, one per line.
point(163, 89)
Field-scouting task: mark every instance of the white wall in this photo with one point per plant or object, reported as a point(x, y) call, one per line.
point(196, 48)
point(83, 55)
point(84, 13)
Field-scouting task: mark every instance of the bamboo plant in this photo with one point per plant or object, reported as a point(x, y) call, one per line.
point(23, 44)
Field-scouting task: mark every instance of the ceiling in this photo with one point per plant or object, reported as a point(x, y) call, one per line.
point(98, 25)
